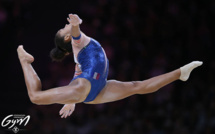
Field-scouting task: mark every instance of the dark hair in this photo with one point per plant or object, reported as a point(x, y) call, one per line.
point(61, 48)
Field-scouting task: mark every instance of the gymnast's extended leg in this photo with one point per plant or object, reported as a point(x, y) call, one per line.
point(75, 92)
point(116, 90)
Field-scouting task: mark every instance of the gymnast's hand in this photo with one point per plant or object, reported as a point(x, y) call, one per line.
point(74, 19)
point(67, 110)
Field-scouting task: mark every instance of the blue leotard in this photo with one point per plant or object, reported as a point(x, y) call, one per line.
point(94, 67)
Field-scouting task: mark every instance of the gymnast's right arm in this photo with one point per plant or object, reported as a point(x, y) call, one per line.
point(79, 39)
point(75, 21)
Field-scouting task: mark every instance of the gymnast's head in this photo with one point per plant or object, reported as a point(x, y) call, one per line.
point(63, 45)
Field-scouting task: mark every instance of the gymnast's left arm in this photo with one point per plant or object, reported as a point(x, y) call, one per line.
point(68, 109)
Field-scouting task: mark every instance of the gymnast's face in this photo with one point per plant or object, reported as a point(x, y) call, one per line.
point(65, 32)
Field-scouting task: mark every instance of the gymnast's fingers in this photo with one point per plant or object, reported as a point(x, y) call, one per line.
point(63, 115)
point(67, 113)
point(70, 112)
point(68, 20)
point(62, 110)
point(71, 16)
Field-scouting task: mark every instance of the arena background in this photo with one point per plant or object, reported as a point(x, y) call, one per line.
point(142, 39)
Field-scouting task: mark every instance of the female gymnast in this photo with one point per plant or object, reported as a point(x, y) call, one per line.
point(90, 84)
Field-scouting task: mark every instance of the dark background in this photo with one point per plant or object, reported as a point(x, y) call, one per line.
point(142, 39)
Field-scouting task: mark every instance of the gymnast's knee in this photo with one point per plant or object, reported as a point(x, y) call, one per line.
point(35, 98)
point(136, 87)
point(142, 87)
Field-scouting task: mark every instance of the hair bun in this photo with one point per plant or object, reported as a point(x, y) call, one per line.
point(57, 54)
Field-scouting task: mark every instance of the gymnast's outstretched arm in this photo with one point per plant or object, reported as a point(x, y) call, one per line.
point(75, 21)
point(79, 39)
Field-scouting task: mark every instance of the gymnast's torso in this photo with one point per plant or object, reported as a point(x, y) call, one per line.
point(91, 60)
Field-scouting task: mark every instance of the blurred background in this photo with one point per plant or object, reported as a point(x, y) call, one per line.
point(142, 39)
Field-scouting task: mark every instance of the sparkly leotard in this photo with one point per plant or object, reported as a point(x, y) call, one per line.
point(94, 66)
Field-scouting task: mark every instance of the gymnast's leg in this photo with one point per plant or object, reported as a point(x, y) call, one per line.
point(75, 92)
point(116, 90)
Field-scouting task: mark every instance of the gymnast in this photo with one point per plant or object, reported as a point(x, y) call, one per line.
point(89, 84)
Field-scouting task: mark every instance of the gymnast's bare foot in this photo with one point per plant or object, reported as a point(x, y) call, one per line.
point(24, 57)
